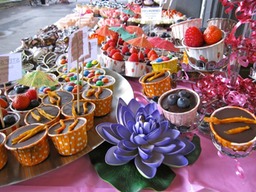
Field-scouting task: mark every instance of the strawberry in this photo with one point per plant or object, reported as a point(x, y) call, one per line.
point(31, 94)
point(3, 103)
point(212, 34)
point(134, 57)
point(20, 102)
point(141, 56)
point(193, 37)
point(118, 56)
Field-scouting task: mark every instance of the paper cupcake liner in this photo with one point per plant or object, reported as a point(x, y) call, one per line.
point(117, 66)
point(71, 142)
point(135, 69)
point(33, 155)
point(171, 65)
point(156, 88)
point(3, 151)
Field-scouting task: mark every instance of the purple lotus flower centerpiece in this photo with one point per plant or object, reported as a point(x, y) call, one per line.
point(142, 134)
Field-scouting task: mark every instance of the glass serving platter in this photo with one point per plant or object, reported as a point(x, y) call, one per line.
point(13, 172)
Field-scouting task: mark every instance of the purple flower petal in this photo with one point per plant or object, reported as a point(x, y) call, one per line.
point(129, 145)
point(111, 159)
point(139, 139)
point(124, 155)
point(153, 135)
point(165, 149)
point(179, 146)
point(189, 146)
point(106, 133)
point(134, 105)
point(162, 141)
point(155, 160)
point(123, 132)
point(127, 117)
point(145, 171)
point(143, 154)
point(175, 160)
point(119, 114)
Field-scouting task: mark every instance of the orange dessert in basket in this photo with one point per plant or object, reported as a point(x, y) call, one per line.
point(86, 110)
point(69, 136)
point(3, 151)
point(101, 97)
point(233, 127)
point(29, 144)
point(155, 83)
point(45, 114)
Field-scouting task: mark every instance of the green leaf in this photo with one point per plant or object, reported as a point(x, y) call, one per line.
point(192, 157)
point(126, 177)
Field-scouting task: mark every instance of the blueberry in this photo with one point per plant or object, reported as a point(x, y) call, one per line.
point(172, 99)
point(9, 120)
point(18, 89)
point(184, 93)
point(183, 102)
point(34, 103)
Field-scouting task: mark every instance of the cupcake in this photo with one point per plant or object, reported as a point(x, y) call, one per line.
point(69, 136)
point(45, 114)
point(86, 110)
point(101, 97)
point(155, 83)
point(58, 98)
point(73, 88)
point(233, 128)
point(29, 144)
point(3, 151)
point(165, 63)
point(89, 73)
point(11, 122)
point(104, 81)
point(180, 106)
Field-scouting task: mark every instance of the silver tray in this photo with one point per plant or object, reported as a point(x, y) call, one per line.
point(13, 172)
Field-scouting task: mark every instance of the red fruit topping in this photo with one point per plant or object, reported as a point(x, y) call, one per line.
point(31, 94)
point(125, 49)
point(134, 50)
point(212, 34)
point(118, 56)
point(20, 102)
point(134, 57)
point(193, 37)
point(3, 103)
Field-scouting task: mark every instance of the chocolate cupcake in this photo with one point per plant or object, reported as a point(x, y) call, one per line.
point(180, 106)
point(45, 114)
point(58, 98)
point(155, 83)
point(233, 128)
point(3, 151)
point(86, 110)
point(69, 136)
point(29, 144)
point(101, 97)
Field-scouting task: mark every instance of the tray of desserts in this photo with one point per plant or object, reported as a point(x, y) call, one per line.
point(15, 172)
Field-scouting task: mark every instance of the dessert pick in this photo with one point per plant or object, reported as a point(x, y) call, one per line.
point(75, 112)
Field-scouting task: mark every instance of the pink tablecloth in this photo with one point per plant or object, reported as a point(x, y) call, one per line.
point(210, 173)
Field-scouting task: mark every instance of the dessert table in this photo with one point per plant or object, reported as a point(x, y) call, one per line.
point(209, 173)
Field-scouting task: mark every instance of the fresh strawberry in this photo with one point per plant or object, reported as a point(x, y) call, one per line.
point(193, 37)
point(31, 94)
point(118, 56)
point(20, 102)
point(134, 57)
point(125, 49)
point(3, 103)
point(212, 34)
